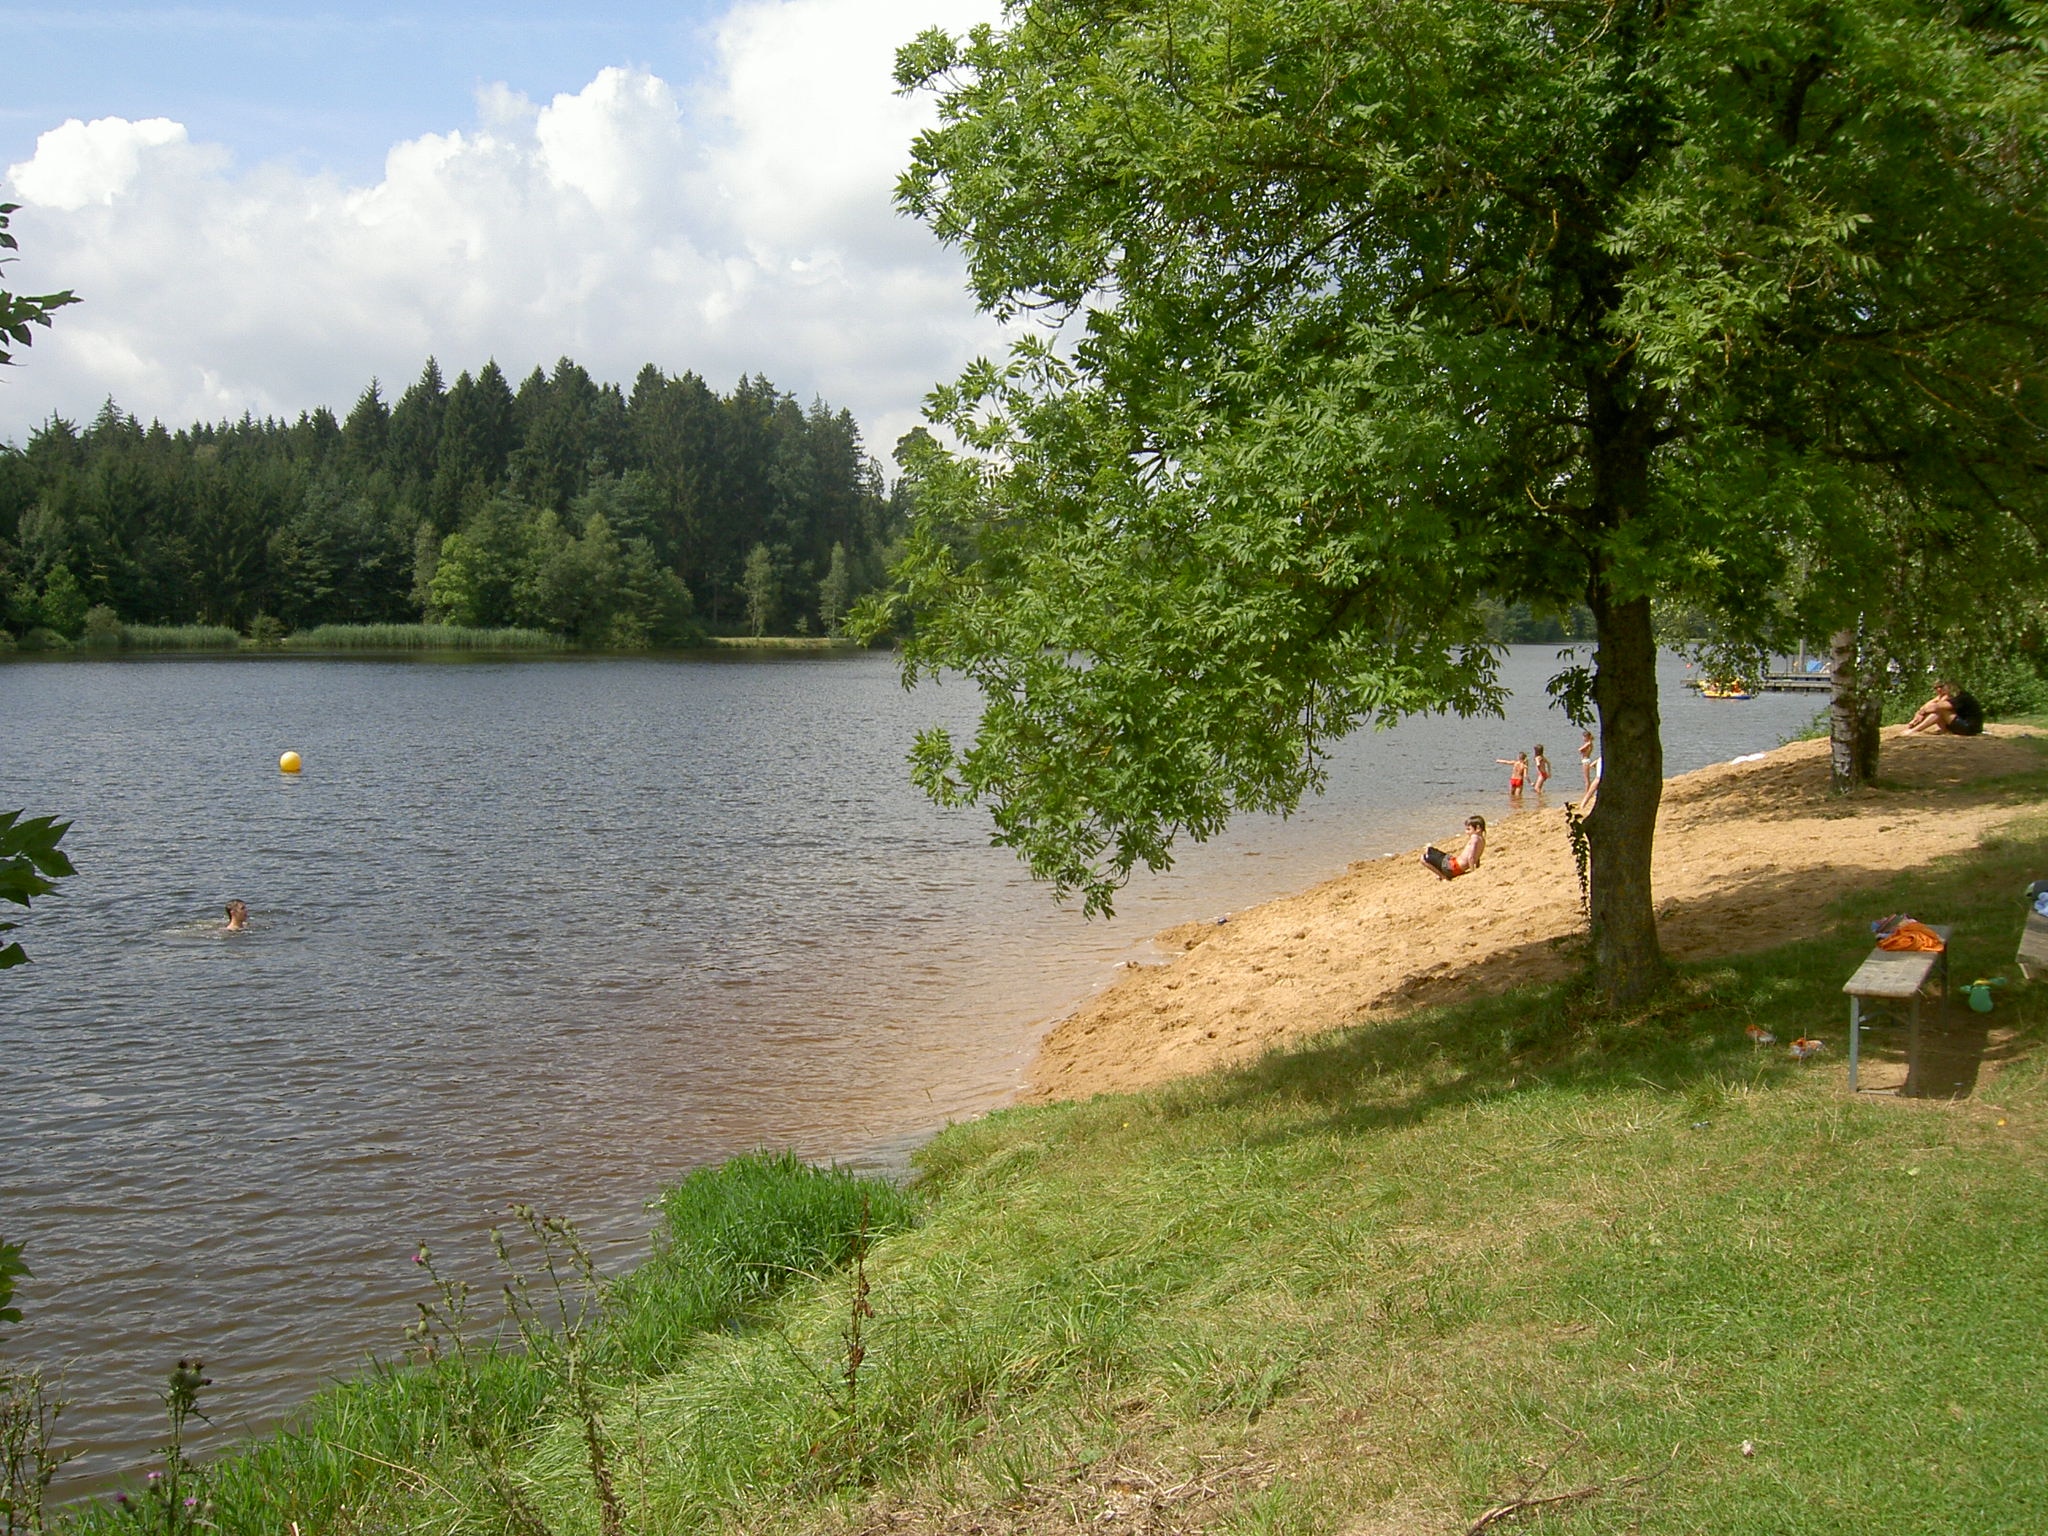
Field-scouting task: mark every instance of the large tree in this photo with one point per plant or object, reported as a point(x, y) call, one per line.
point(1377, 305)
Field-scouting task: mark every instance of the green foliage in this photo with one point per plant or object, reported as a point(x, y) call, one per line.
point(31, 864)
point(11, 1269)
point(41, 639)
point(1409, 303)
point(63, 603)
point(102, 628)
point(21, 311)
point(267, 631)
point(518, 567)
point(2007, 687)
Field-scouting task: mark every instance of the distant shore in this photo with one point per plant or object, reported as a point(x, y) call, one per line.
point(1749, 855)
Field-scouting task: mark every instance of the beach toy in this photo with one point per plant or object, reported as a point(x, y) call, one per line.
point(289, 763)
point(1978, 993)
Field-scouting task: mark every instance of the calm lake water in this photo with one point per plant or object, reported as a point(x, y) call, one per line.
point(551, 930)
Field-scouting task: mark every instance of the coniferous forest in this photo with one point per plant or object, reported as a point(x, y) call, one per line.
point(567, 506)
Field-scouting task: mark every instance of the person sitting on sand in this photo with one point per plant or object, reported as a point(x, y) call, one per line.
point(1448, 866)
point(238, 916)
point(1950, 710)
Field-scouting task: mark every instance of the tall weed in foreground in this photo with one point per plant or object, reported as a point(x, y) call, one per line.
point(29, 1409)
point(555, 1331)
point(487, 1437)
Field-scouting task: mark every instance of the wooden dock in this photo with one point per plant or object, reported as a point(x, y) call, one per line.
point(1778, 682)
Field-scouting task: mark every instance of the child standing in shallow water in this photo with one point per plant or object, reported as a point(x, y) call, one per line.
point(1586, 758)
point(1518, 773)
point(1542, 768)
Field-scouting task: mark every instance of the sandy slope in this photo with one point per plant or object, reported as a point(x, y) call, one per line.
point(1748, 855)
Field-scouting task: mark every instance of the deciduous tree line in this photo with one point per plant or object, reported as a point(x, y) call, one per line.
point(615, 518)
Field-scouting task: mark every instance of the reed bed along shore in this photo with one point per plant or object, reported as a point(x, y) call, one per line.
point(164, 638)
point(1502, 1260)
point(419, 637)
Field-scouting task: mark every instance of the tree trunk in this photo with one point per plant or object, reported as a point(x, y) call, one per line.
point(1628, 964)
point(1843, 714)
point(1854, 712)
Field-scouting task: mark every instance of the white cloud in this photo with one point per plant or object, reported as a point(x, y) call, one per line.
point(747, 228)
point(93, 162)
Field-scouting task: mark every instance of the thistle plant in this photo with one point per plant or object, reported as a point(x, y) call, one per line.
point(173, 1501)
point(854, 1336)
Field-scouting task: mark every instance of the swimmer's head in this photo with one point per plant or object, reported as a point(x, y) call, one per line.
point(238, 914)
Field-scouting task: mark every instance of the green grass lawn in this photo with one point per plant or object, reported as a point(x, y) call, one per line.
point(1510, 1249)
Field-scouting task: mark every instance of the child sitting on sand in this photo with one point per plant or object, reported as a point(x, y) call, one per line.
point(1448, 866)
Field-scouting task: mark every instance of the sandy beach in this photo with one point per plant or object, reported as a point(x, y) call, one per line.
point(1749, 855)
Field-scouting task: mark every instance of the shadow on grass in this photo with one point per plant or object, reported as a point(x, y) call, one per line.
point(1554, 1034)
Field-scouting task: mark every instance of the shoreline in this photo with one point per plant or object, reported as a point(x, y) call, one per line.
point(1750, 853)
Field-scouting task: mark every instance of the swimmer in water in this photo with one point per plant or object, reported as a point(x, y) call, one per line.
point(238, 916)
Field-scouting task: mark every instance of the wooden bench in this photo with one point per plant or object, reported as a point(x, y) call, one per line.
point(1890, 977)
point(2033, 958)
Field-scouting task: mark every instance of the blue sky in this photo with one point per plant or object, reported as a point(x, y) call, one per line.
point(263, 206)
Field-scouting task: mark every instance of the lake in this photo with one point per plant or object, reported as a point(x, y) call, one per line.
point(555, 930)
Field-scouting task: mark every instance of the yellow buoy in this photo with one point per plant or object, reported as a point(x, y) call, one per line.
point(289, 763)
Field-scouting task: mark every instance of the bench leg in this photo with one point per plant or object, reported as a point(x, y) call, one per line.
point(1855, 1037)
point(1911, 1087)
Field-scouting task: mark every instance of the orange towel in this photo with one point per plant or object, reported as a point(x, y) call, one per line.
point(1912, 935)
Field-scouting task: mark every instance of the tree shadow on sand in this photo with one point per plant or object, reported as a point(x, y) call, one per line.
point(1437, 1056)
